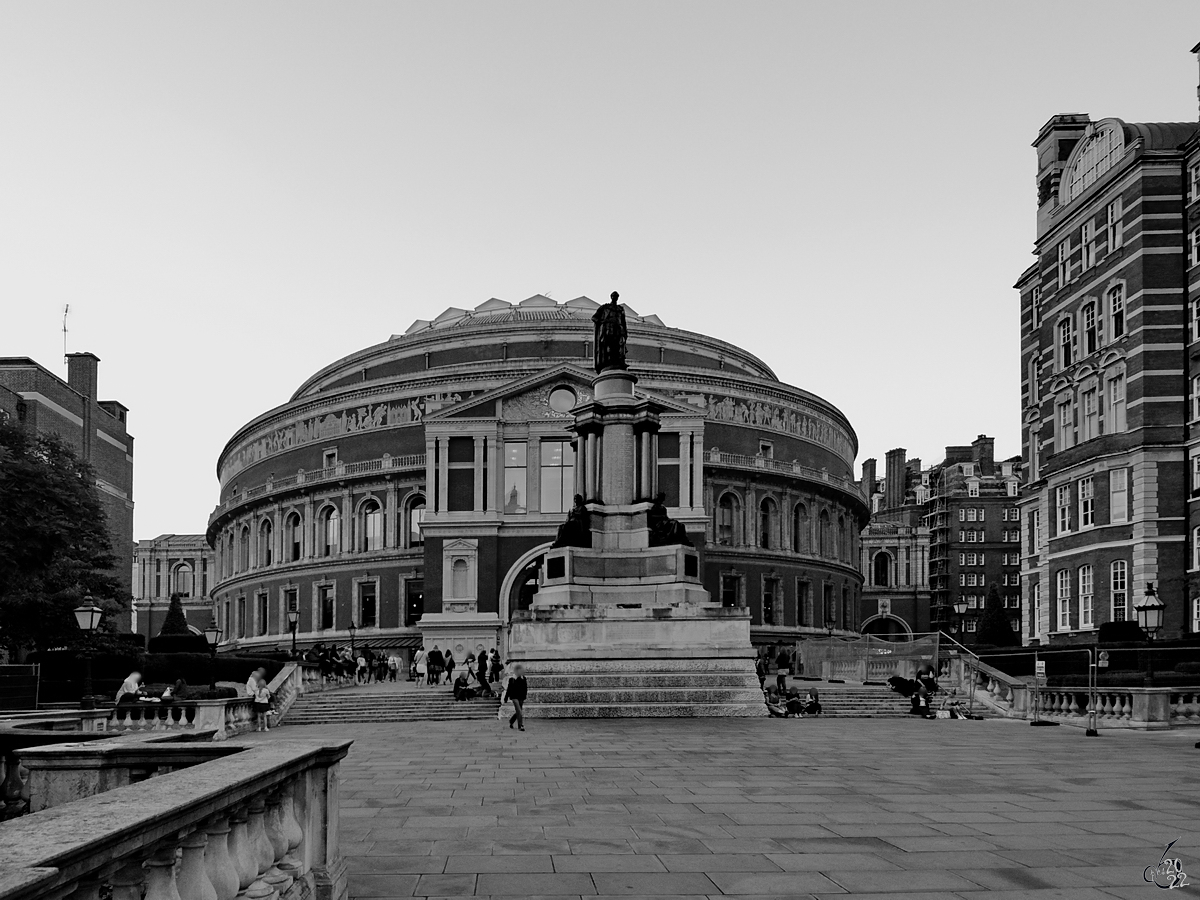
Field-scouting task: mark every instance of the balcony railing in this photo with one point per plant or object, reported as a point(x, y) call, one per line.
point(386, 463)
point(783, 467)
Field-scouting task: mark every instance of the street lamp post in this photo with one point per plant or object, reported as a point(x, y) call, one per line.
point(88, 617)
point(353, 629)
point(293, 621)
point(960, 610)
point(212, 634)
point(830, 624)
point(1150, 618)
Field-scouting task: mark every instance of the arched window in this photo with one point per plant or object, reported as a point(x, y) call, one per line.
point(727, 519)
point(181, 580)
point(801, 536)
point(1102, 145)
point(416, 515)
point(883, 569)
point(244, 549)
point(293, 536)
point(229, 556)
point(330, 522)
point(843, 545)
point(370, 527)
point(266, 543)
point(1116, 312)
point(1089, 329)
point(458, 578)
point(1066, 343)
point(768, 524)
point(826, 534)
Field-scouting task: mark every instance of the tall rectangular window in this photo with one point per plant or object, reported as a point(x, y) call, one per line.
point(1116, 405)
point(1089, 421)
point(558, 476)
point(414, 601)
point(1034, 393)
point(1194, 247)
point(804, 610)
point(1091, 330)
point(1196, 396)
point(1035, 609)
point(1063, 597)
point(730, 593)
point(1087, 236)
point(1194, 182)
point(260, 613)
point(1196, 472)
point(1086, 608)
point(1119, 589)
point(1196, 319)
point(367, 605)
point(241, 617)
point(515, 477)
point(1035, 309)
point(1116, 227)
point(1118, 495)
point(325, 605)
point(1064, 425)
point(1116, 312)
point(1062, 501)
point(1066, 343)
point(1195, 614)
point(770, 590)
point(1064, 262)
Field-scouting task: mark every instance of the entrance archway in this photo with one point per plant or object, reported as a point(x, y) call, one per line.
point(888, 628)
point(516, 582)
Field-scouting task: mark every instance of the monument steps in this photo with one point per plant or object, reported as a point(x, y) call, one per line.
point(432, 705)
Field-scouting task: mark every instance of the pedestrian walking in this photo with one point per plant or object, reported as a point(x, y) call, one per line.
point(449, 666)
point(393, 666)
point(482, 674)
point(783, 669)
point(421, 666)
point(360, 672)
point(515, 692)
point(760, 669)
point(435, 662)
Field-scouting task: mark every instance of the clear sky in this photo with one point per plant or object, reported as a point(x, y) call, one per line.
point(232, 195)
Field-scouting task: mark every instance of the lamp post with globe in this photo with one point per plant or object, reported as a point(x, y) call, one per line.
point(212, 634)
point(293, 622)
point(353, 629)
point(88, 617)
point(1149, 611)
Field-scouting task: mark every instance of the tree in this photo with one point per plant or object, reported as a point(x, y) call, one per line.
point(994, 627)
point(54, 549)
point(176, 620)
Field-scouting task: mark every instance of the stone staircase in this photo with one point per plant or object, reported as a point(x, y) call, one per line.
point(366, 705)
point(677, 688)
point(853, 700)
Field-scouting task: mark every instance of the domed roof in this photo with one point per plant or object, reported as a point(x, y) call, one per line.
point(539, 307)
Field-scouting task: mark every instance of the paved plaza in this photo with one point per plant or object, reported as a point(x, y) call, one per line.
point(761, 808)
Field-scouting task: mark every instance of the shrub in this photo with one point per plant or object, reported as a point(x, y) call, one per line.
point(176, 620)
point(1188, 668)
point(994, 628)
point(179, 643)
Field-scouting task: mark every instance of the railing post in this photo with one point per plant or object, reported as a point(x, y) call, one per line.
point(245, 862)
point(218, 864)
point(127, 883)
point(160, 876)
point(193, 882)
point(324, 860)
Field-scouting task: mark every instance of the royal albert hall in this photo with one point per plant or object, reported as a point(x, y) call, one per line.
point(412, 488)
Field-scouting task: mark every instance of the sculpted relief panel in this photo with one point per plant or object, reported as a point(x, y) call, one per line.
point(535, 404)
point(807, 425)
point(345, 421)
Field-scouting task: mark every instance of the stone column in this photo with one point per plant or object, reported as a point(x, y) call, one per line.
point(496, 474)
point(308, 531)
point(391, 537)
point(344, 533)
point(685, 470)
point(443, 476)
point(593, 468)
point(697, 455)
point(431, 500)
point(580, 445)
point(477, 501)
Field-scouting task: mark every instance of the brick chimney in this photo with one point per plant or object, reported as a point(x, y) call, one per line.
point(868, 478)
point(82, 373)
point(983, 452)
point(893, 496)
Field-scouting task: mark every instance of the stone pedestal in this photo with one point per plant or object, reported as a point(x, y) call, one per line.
point(623, 628)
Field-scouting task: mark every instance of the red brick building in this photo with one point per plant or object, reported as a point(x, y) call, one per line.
point(1109, 389)
point(42, 402)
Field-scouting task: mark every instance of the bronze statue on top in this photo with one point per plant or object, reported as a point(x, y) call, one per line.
point(577, 530)
point(665, 531)
point(611, 334)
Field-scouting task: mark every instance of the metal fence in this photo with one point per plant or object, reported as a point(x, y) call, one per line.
point(19, 687)
point(868, 658)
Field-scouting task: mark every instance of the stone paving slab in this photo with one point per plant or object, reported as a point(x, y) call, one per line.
point(750, 809)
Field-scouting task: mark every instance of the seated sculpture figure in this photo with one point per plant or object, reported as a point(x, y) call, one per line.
point(665, 531)
point(576, 531)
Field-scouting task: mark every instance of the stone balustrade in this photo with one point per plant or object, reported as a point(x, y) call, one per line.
point(764, 463)
point(1143, 708)
point(261, 826)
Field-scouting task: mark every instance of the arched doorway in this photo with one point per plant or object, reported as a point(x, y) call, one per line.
point(519, 585)
point(887, 628)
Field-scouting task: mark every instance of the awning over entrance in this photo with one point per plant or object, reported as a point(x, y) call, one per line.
point(399, 642)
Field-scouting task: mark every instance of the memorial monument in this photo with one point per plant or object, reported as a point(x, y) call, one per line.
point(621, 624)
